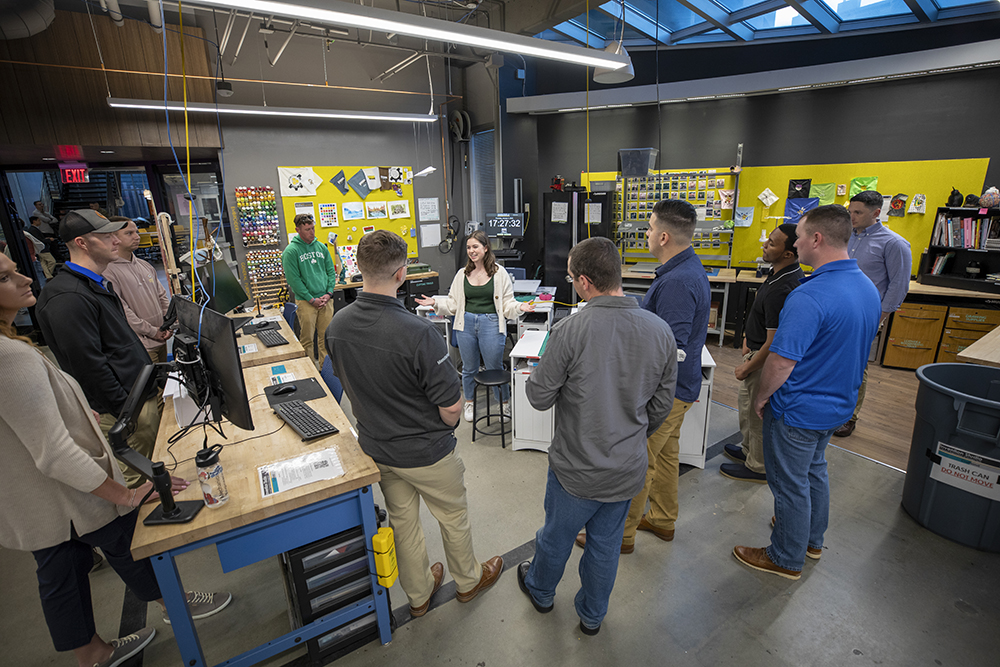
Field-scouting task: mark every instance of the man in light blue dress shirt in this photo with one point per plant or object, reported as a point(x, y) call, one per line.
point(883, 256)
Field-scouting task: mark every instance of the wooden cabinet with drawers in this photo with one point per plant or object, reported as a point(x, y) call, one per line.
point(963, 327)
point(914, 335)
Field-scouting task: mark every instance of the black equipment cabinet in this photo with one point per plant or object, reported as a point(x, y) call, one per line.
point(559, 236)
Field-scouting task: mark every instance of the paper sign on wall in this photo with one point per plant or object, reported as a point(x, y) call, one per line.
point(593, 213)
point(430, 236)
point(305, 208)
point(560, 211)
point(298, 181)
point(427, 209)
point(328, 215)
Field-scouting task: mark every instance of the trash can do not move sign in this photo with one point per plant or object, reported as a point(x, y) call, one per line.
point(952, 482)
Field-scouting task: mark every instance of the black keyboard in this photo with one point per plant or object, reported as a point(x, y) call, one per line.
point(271, 338)
point(304, 420)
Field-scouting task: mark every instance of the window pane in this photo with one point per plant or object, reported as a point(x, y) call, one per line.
point(850, 10)
point(484, 182)
point(782, 18)
point(736, 5)
point(672, 15)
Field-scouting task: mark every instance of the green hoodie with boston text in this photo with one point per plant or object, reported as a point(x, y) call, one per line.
point(309, 269)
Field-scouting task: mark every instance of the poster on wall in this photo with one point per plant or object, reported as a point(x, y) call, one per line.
point(298, 181)
point(305, 208)
point(399, 209)
point(349, 258)
point(376, 210)
point(354, 210)
point(359, 184)
point(427, 209)
point(328, 215)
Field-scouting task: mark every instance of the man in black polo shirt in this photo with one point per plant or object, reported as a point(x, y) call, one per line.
point(406, 398)
point(779, 251)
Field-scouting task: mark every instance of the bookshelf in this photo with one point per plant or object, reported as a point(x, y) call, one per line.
point(964, 250)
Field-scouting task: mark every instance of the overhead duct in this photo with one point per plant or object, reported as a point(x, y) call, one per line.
point(154, 15)
point(20, 19)
point(114, 11)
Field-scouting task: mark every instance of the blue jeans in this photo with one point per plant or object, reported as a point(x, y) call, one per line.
point(565, 515)
point(796, 474)
point(481, 335)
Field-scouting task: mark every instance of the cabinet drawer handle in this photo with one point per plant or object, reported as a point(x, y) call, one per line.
point(911, 317)
point(960, 338)
point(907, 347)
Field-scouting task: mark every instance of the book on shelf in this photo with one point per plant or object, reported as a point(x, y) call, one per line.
point(940, 263)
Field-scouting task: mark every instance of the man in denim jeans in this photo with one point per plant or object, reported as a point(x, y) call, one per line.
point(610, 371)
point(809, 387)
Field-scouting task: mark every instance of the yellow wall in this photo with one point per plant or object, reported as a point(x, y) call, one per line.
point(349, 232)
point(933, 178)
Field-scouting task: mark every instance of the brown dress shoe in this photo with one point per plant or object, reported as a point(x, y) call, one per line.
point(846, 429)
point(581, 541)
point(491, 572)
point(665, 535)
point(759, 560)
point(437, 571)
point(814, 553)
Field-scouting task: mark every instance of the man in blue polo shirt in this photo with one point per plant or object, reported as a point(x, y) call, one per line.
point(809, 387)
point(680, 296)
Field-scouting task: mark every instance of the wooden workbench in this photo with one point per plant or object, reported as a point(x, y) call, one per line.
point(985, 351)
point(268, 355)
point(240, 459)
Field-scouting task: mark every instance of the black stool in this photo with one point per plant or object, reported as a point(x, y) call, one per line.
point(490, 379)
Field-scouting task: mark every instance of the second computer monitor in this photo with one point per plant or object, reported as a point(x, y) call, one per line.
point(505, 225)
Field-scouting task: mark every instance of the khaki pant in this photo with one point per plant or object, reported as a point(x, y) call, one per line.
point(442, 487)
point(48, 264)
point(664, 451)
point(144, 438)
point(751, 426)
point(314, 320)
point(861, 395)
point(158, 354)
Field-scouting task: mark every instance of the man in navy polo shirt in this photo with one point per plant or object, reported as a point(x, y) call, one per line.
point(809, 387)
point(679, 296)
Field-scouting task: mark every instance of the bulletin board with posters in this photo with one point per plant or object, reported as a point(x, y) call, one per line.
point(350, 202)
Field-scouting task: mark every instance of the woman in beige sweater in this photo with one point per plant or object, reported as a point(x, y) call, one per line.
point(64, 494)
point(482, 299)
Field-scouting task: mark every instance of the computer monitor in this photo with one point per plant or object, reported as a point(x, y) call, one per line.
point(221, 287)
point(505, 225)
point(220, 358)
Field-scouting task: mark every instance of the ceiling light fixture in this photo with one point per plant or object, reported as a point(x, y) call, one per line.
point(107, 152)
point(290, 112)
point(388, 21)
point(621, 74)
point(49, 159)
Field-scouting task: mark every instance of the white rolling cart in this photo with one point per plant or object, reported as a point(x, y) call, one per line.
point(694, 431)
point(532, 429)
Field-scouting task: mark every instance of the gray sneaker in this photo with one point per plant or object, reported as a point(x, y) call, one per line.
point(126, 647)
point(203, 605)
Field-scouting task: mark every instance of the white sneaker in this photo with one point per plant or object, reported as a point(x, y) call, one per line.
point(468, 412)
point(203, 605)
point(505, 406)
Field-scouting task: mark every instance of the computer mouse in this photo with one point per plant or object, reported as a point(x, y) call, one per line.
point(287, 389)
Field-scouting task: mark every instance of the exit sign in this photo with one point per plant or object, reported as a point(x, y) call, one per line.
point(75, 172)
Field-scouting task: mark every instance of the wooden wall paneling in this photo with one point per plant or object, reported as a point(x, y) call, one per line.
point(111, 38)
point(201, 90)
point(14, 127)
point(58, 82)
point(29, 89)
point(152, 124)
point(85, 88)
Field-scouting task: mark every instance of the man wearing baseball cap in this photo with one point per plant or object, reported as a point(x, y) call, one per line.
point(84, 324)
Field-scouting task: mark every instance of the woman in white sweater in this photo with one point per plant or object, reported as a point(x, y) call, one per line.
point(64, 494)
point(482, 299)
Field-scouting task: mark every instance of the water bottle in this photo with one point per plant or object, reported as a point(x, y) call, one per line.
point(211, 476)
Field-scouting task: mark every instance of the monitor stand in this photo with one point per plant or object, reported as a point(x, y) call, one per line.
point(169, 511)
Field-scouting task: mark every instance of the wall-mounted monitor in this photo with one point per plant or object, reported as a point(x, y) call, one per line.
point(505, 225)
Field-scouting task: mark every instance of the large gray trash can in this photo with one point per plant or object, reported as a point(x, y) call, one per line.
point(952, 486)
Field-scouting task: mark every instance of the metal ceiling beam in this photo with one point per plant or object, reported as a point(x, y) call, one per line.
point(579, 33)
point(819, 14)
point(759, 9)
point(719, 17)
point(925, 10)
point(637, 21)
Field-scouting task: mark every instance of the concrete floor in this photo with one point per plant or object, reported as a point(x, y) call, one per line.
point(886, 591)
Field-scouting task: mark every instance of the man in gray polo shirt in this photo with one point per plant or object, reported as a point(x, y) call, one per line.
point(406, 398)
point(610, 371)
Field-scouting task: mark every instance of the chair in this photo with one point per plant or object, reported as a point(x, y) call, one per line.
point(288, 312)
point(331, 380)
point(490, 379)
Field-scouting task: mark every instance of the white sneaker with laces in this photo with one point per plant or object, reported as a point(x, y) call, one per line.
point(505, 407)
point(126, 647)
point(468, 411)
point(203, 605)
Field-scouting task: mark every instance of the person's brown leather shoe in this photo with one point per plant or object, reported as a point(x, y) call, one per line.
point(437, 571)
point(845, 429)
point(759, 560)
point(814, 553)
point(491, 572)
point(581, 541)
point(665, 535)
